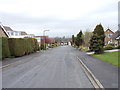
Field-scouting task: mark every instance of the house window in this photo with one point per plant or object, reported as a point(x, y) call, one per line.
point(109, 35)
point(12, 33)
point(16, 34)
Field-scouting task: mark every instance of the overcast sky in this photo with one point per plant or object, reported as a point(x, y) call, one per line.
point(61, 17)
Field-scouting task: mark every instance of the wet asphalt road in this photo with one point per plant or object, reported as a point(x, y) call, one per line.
point(54, 68)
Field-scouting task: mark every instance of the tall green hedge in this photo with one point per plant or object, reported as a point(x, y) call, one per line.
point(0, 48)
point(18, 46)
point(22, 46)
point(5, 48)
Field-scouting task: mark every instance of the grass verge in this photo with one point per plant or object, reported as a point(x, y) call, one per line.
point(110, 57)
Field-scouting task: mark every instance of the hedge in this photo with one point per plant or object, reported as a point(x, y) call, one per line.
point(0, 48)
point(23, 46)
point(109, 47)
point(18, 46)
point(5, 48)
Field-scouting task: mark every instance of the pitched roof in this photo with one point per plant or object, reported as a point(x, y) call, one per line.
point(116, 34)
point(109, 30)
point(7, 28)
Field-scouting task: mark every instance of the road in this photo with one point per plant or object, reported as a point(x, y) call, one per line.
point(54, 68)
point(106, 73)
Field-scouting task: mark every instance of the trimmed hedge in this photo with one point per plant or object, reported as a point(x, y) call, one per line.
point(22, 46)
point(18, 46)
point(5, 48)
point(0, 48)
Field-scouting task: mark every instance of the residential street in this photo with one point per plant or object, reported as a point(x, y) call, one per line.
point(53, 68)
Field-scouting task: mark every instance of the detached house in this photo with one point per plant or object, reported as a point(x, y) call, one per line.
point(17, 34)
point(108, 39)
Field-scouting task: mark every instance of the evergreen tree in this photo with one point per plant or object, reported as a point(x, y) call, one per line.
point(100, 32)
point(96, 44)
point(73, 39)
point(97, 40)
point(79, 39)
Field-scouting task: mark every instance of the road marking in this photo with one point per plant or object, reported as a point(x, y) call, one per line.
point(96, 83)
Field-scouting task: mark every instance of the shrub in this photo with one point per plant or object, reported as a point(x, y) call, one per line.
point(109, 47)
point(118, 47)
point(43, 47)
point(36, 45)
point(5, 47)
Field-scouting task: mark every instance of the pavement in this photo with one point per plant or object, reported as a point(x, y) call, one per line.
point(114, 50)
point(106, 73)
point(54, 68)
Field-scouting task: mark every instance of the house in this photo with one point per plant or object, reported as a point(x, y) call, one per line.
point(38, 39)
point(17, 34)
point(12, 33)
point(116, 38)
point(108, 39)
point(45, 39)
point(3, 32)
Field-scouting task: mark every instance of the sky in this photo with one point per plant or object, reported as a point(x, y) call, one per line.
point(61, 17)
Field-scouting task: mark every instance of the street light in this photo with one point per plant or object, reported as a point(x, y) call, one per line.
point(44, 36)
point(44, 32)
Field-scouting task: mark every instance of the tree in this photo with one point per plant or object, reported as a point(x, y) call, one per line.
point(87, 37)
point(79, 38)
point(73, 39)
point(97, 40)
point(96, 44)
point(100, 32)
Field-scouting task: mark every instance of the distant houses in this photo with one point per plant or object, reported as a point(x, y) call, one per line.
point(112, 38)
point(45, 39)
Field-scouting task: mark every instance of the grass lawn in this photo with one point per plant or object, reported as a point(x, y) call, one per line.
point(110, 57)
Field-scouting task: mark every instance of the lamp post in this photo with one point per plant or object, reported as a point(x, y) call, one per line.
point(44, 36)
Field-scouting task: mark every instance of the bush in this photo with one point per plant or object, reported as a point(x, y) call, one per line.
point(36, 45)
point(43, 47)
point(5, 47)
point(109, 47)
point(118, 47)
